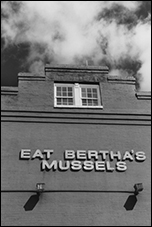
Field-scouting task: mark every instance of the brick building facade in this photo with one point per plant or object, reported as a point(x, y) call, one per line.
point(88, 156)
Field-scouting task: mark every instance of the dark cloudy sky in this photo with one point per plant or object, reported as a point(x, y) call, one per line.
point(14, 54)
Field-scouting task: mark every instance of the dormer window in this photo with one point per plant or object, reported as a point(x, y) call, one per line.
point(77, 95)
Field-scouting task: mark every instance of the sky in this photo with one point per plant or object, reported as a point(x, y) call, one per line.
point(112, 33)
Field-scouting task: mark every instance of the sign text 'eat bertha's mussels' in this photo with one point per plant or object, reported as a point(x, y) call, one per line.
point(85, 160)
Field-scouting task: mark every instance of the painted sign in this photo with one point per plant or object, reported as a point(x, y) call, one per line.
point(89, 160)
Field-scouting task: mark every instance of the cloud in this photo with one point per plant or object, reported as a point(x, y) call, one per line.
point(142, 42)
point(68, 32)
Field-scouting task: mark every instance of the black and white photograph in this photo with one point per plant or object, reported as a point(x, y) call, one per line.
point(75, 113)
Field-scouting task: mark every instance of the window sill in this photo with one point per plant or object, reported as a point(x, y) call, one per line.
point(79, 107)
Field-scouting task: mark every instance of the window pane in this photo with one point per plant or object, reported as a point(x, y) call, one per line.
point(58, 91)
point(89, 93)
point(95, 102)
point(70, 89)
point(89, 102)
point(59, 101)
point(94, 90)
point(64, 91)
point(70, 94)
point(83, 92)
point(84, 102)
point(65, 101)
point(94, 93)
point(70, 101)
point(58, 88)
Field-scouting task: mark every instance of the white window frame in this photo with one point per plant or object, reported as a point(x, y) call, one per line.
point(77, 99)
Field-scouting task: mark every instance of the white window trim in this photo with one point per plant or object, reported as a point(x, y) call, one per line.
point(77, 96)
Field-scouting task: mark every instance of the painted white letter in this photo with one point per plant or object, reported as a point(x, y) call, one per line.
point(140, 156)
point(108, 167)
point(76, 165)
point(99, 166)
point(121, 166)
point(116, 155)
point(93, 154)
point(25, 154)
point(81, 155)
point(38, 154)
point(103, 153)
point(47, 166)
point(64, 168)
point(127, 156)
point(88, 165)
point(69, 154)
point(48, 153)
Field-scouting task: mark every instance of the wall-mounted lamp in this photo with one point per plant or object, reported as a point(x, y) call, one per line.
point(40, 187)
point(138, 188)
point(33, 200)
point(132, 199)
